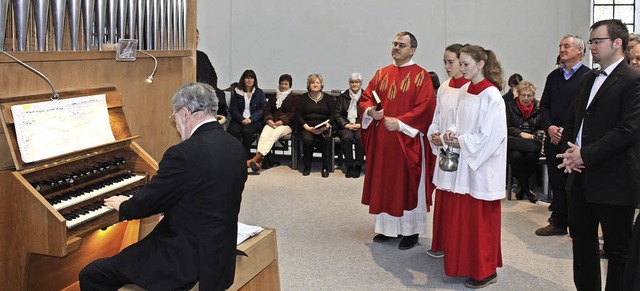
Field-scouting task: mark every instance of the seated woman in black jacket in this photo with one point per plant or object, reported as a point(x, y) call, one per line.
point(524, 121)
point(247, 110)
point(348, 123)
point(314, 108)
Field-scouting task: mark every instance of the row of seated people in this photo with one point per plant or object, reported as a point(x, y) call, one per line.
point(314, 117)
point(252, 113)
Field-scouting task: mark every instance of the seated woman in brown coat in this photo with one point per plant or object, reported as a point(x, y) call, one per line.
point(524, 121)
point(278, 116)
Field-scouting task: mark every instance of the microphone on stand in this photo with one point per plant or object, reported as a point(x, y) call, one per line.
point(54, 95)
point(155, 66)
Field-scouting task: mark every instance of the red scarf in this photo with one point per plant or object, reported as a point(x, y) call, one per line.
point(526, 110)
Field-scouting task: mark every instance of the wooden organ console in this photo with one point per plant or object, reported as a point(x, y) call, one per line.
point(52, 219)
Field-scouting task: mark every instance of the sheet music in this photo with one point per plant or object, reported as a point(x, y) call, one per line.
point(246, 231)
point(48, 129)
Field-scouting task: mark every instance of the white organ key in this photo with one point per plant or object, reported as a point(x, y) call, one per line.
point(97, 192)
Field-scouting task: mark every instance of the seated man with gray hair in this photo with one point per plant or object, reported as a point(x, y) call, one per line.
point(198, 187)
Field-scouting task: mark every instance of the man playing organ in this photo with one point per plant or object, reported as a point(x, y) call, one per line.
point(198, 187)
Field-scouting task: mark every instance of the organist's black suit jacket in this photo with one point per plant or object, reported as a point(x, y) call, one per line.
point(610, 137)
point(198, 188)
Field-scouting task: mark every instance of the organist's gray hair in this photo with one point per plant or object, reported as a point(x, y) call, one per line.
point(196, 97)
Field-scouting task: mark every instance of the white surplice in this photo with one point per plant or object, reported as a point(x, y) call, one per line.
point(443, 119)
point(481, 128)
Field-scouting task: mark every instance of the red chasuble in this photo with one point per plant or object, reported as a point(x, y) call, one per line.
point(393, 158)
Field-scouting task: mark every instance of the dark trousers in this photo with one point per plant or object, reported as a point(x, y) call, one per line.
point(558, 181)
point(632, 273)
point(584, 218)
point(523, 165)
point(245, 133)
point(320, 141)
point(347, 139)
point(103, 275)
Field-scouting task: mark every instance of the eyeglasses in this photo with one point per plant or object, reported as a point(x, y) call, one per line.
point(399, 44)
point(172, 117)
point(597, 40)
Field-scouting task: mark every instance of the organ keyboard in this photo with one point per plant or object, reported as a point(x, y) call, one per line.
point(52, 217)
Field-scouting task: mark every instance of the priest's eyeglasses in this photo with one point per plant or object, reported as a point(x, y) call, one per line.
point(399, 44)
point(597, 40)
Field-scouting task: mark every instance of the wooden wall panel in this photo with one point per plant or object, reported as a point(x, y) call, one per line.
point(147, 106)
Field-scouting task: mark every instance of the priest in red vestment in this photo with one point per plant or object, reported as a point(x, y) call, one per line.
point(398, 107)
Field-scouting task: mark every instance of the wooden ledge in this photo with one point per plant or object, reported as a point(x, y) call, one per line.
point(84, 55)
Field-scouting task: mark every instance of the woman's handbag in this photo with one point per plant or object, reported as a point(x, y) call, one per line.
point(524, 144)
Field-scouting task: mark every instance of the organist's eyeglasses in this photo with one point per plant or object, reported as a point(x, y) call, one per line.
point(172, 117)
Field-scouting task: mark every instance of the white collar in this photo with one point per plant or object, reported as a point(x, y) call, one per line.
point(201, 123)
point(409, 63)
point(610, 68)
point(243, 93)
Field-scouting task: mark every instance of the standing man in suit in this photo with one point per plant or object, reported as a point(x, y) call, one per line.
point(198, 188)
point(603, 159)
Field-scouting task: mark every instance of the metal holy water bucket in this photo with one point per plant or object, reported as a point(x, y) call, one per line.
point(448, 160)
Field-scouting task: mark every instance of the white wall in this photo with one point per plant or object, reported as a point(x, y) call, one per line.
point(337, 37)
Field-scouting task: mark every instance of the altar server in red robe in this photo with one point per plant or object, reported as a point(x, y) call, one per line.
point(399, 167)
point(480, 133)
point(443, 118)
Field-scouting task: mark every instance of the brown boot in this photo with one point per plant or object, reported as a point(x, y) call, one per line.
point(256, 163)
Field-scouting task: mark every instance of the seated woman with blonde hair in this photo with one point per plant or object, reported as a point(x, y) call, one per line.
point(278, 115)
point(314, 113)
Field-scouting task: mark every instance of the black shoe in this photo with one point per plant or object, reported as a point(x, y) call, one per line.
point(520, 194)
point(349, 172)
point(475, 284)
point(382, 238)
point(533, 198)
point(356, 172)
point(254, 167)
point(325, 173)
point(408, 242)
point(306, 171)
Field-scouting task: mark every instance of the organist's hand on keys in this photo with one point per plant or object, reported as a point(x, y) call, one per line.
point(115, 201)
